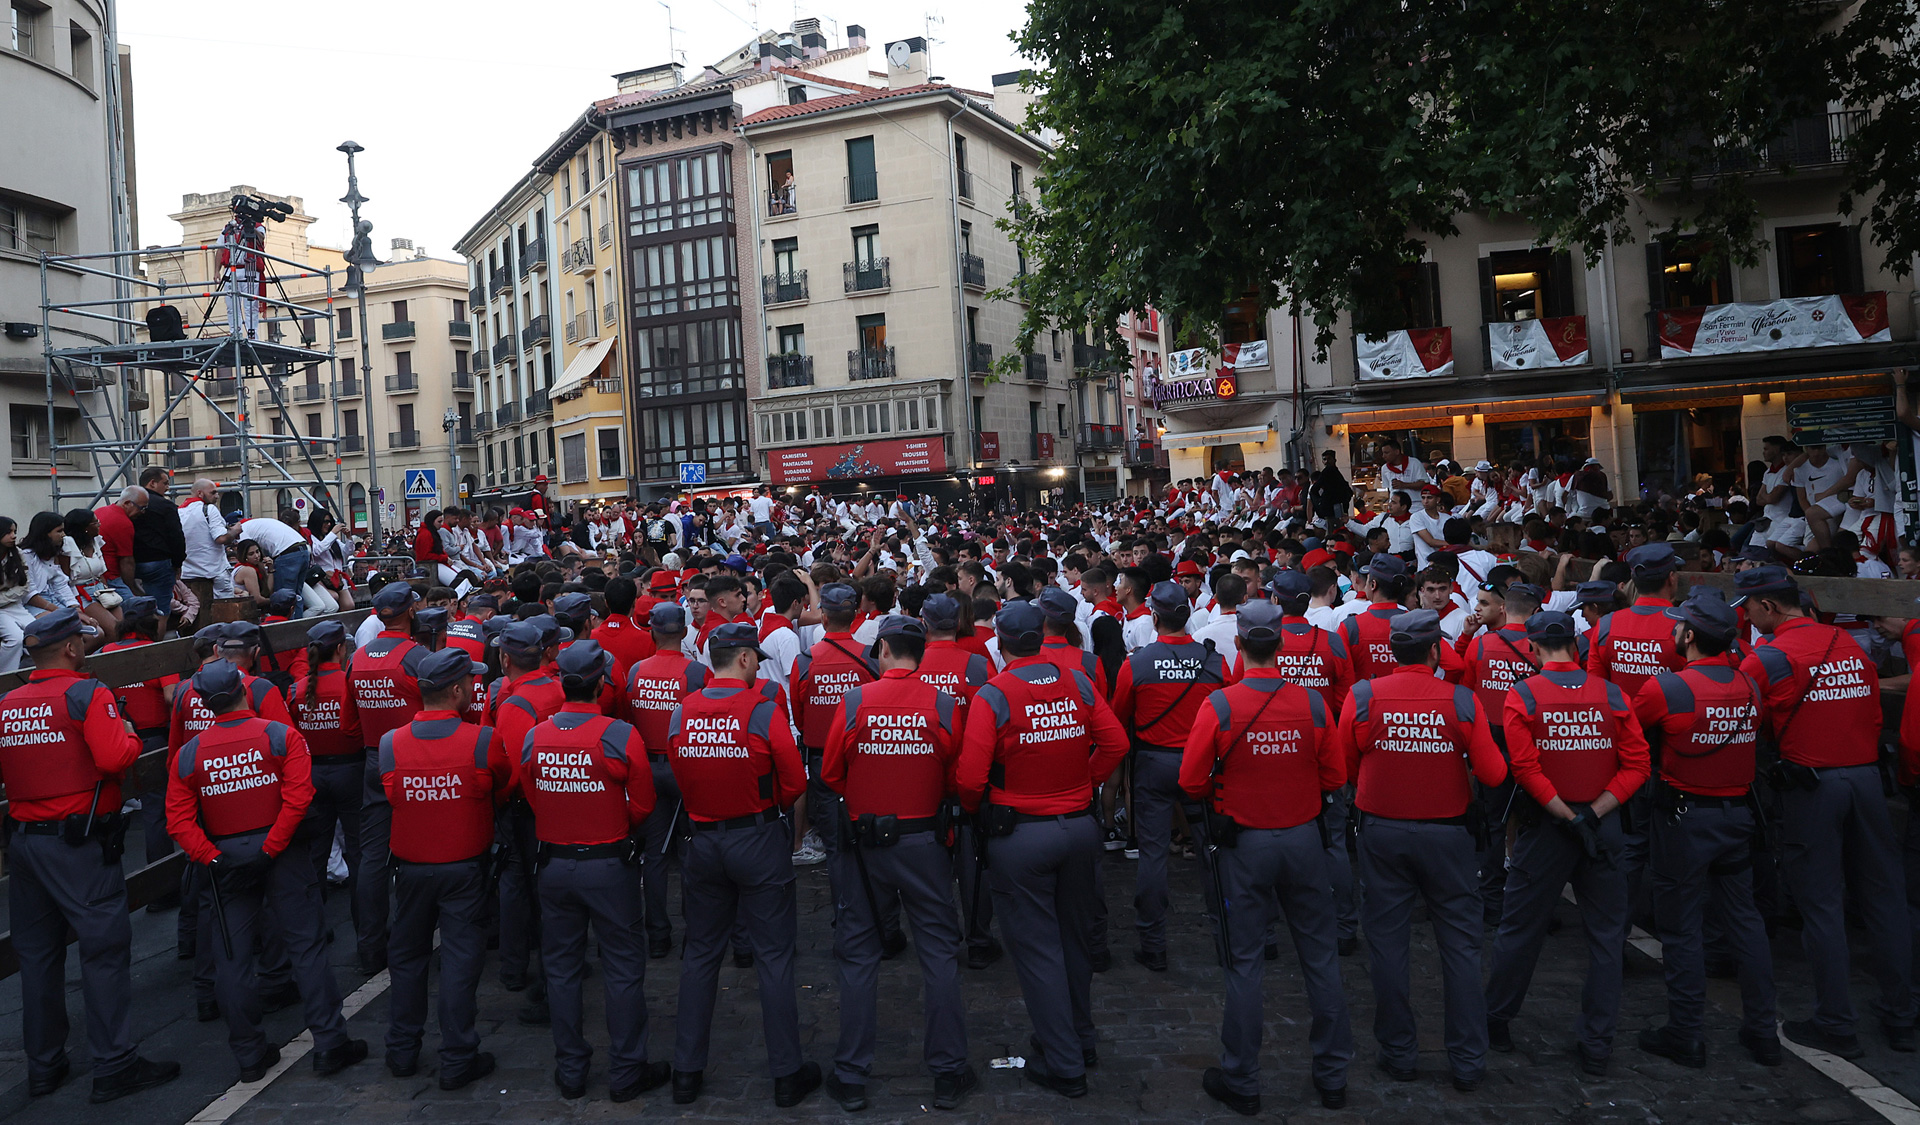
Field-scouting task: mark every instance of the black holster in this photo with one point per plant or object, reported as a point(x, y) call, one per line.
point(1787, 775)
point(998, 820)
point(873, 830)
point(1222, 830)
point(1476, 818)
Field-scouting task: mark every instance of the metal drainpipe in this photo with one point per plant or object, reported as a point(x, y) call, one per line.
point(959, 307)
point(753, 195)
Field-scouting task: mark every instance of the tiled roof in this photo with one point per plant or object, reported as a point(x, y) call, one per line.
point(842, 101)
point(823, 79)
point(745, 77)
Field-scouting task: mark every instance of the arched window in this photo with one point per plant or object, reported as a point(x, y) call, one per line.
point(357, 505)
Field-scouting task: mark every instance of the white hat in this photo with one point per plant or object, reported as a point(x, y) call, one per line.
point(1483, 466)
point(1592, 461)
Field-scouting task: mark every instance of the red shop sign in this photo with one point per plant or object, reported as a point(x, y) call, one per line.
point(857, 460)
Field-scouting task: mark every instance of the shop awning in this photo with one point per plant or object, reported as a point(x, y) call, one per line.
point(1731, 393)
point(1368, 416)
point(1202, 438)
point(581, 369)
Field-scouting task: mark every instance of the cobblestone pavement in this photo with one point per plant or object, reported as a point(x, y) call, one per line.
point(1157, 1032)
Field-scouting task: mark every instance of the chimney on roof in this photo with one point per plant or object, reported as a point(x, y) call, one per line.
point(400, 244)
point(813, 44)
point(765, 65)
point(1011, 98)
point(856, 37)
point(906, 63)
point(665, 76)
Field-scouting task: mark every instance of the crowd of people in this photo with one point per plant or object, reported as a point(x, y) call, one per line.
point(1468, 690)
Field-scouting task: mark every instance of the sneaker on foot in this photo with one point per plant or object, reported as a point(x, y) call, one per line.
point(808, 855)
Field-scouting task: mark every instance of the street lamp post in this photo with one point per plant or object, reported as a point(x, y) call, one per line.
point(359, 260)
point(450, 422)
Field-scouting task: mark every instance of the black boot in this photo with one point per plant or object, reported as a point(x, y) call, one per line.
point(792, 1089)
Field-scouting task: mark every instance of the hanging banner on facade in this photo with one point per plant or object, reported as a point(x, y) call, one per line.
point(1526, 345)
point(1417, 353)
point(1766, 326)
point(1043, 445)
point(1192, 363)
point(857, 460)
point(1237, 357)
point(989, 445)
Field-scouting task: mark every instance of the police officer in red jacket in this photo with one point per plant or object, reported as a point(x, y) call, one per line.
point(1037, 742)
point(386, 694)
point(585, 776)
point(324, 714)
point(1061, 646)
point(655, 687)
point(525, 696)
point(820, 677)
point(1261, 756)
point(891, 758)
point(1822, 704)
point(1384, 582)
point(235, 800)
point(63, 747)
point(145, 706)
point(1413, 742)
point(734, 759)
point(1161, 687)
point(1493, 660)
point(961, 674)
point(468, 629)
point(443, 778)
point(1706, 721)
point(1576, 749)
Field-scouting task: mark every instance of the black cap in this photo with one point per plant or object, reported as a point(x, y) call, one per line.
point(839, 596)
point(1415, 627)
point(1709, 615)
point(55, 627)
point(896, 625)
point(1550, 626)
point(736, 634)
point(240, 634)
point(574, 607)
point(1528, 590)
point(283, 599)
point(483, 601)
point(668, 617)
point(1599, 592)
point(1755, 552)
point(431, 620)
point(133, 609)
point(327, 633)
point(441, 670)
point(1020, 623)
point(1059, 607)
point(1167, 597)
point(1764, 581)
point(218, 682)
point(940, 612)
point(584, 660)
point(205, 634)
point(521, 638)
point(1258, 621)
point(1291, 585)
point(551, 631)
point(394, 598)
point(1385, 565)
point(1653, 560)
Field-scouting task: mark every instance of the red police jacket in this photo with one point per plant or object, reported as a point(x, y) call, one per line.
point(893, 751)
point(190, 716)
point(1312, 657)
point(1495, 660)
point(585, 776)
point(820, 678)
point(383, 683)
point(1633, 645)
point(144, 704)
point(655, 687)
point(1270, 742)
point(1822, 695)
point(1056, 650)
point(1571, 734)
point(1368, 637)
point(242, 774)
point(1404, 735)
point(956, 670)
point(328, 721)
point(732, 753)
point(1042, 737)
point(629, 643)
point(1162, 685)
point(1706, 719)
point(443, 776)
point(468, 634)
point(61, 734)
point(520, 704)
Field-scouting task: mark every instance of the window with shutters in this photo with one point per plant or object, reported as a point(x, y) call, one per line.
point(612, 461)
point(1416, 289)
point(1684, 273)
point(1526, 284)
point(1243, 321)
point(863, 184)
point(1818, 260)
point(573, 459)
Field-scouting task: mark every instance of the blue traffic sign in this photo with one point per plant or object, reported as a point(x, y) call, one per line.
point(422, 484)
point(693, 472)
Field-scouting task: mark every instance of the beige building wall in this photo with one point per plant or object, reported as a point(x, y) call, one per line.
point(590, 424)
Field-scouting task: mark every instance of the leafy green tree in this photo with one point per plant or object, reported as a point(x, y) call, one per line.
point(1212, 145)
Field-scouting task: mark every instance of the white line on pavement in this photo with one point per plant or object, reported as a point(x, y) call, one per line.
point(240, 1093)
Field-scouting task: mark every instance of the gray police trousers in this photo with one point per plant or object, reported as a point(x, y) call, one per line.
point(745, 873)
point(605, 891)
point(1156, 794)
point(1043, 886)
point(1846, 815)
point(1546, 857)
point(918, 871)
point(291, 902)
point(53, 885)
point(451, 896)
point(1709, 849)
point(1283, 871)
point(1401, 860)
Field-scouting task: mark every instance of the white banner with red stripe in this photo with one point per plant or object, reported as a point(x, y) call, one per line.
point(1526, 345)
point(1767, 326)
point(1416, 353)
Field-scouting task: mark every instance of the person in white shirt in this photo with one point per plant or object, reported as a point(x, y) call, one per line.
point(1786, 519)
point(1221, 624)
point(1436, 594)
point(1820, 481)
point(206, 570)
point(1399, 469)
point(1428, 525)
point(761, 507)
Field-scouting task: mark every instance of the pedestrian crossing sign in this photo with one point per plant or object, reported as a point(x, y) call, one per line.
point(422, 484)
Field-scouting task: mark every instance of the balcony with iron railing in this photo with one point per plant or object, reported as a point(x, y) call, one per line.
point(1035, 367)
point(507, 415)
point(863, 187)
point(403, 439)
point(870, 363)
point(608, 314)
point(462, 380)
point(607, 386)
point(309, 392)
point(537, 330)
point(398, 330)
point(220, 388)
point(460, 329)
point(480, 360)
point(1087, 357)
point(503, 349)
point(537, 404)
point(965, 183)
point(1820, 140)
point(464, 435)
point(477, 298)
point(1141, 453)
point(789, 371)
point(499, 281)
point(578, 256)
point(346, 388)
point(179, 459)
point(404, 383)
point(973, 271)
point(483, 422)
point(606, 235)
point(352, 443)
point(869, 276)
point(979, 358)
point(534, 257)
point(784, 288)
point(1099, 437)
point(782, 203)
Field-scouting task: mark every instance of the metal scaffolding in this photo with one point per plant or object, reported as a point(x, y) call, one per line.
point(223, 357)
